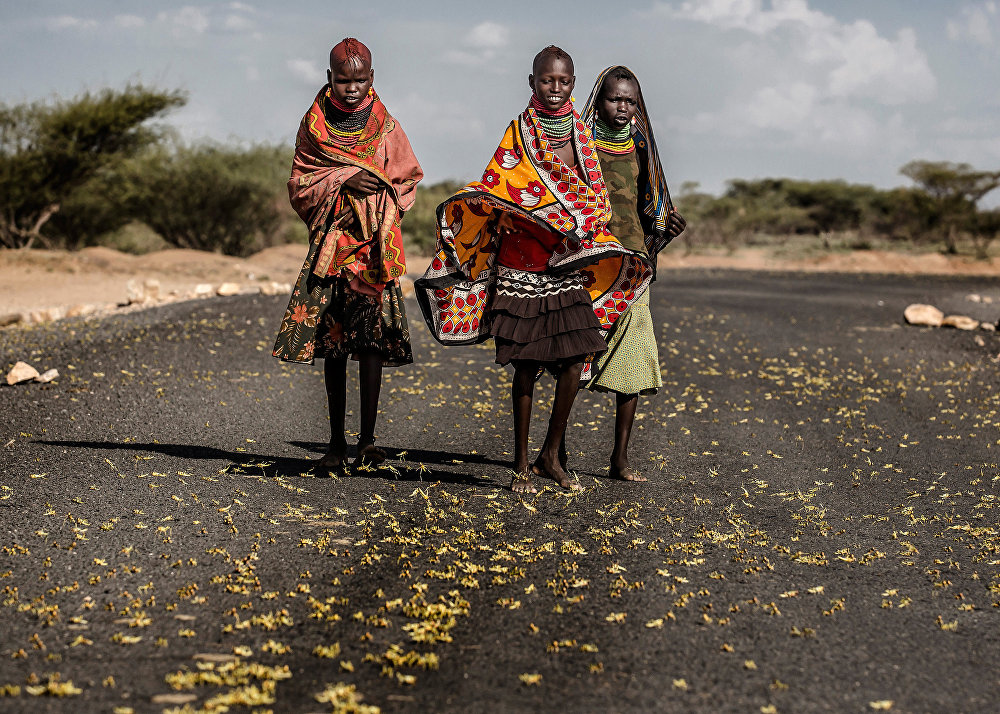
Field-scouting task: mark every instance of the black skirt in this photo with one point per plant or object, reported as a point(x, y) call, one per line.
point(543, 318)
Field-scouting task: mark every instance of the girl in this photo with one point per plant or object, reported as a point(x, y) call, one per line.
point(631, 166)
point(509, 250)
point(353, 175)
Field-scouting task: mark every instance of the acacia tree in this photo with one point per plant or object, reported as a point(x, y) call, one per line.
point(955, 190)
point(50, 149)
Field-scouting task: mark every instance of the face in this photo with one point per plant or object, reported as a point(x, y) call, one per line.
point(618, 102)
point(350, 81)
point(553, 82)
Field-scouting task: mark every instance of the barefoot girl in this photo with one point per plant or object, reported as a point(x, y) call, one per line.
point(509, 249)
point(353, 175)
point(644, 220)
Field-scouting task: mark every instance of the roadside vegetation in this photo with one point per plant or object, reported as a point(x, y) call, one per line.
point(102, 169)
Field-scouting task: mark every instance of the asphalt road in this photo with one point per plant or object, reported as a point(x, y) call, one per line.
point(819, 532)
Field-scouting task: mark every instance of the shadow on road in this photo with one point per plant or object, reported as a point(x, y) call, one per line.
point(411, 465)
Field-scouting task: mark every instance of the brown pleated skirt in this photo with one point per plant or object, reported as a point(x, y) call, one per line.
point(543, 318)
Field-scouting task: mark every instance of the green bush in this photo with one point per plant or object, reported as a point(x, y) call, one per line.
point(49, 151)
point(211, 197)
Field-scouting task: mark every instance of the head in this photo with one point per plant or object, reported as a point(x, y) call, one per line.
point(350, 74)
point(618, 99)
point(552, 77)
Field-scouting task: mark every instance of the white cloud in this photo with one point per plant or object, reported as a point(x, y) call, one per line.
point(488, 36)
point(306, 71)
point(129, 21)
point(69, 22)
point(976, 22)
point(237, 23)
point(187, 19)
point(852, 60)
point(483, 43)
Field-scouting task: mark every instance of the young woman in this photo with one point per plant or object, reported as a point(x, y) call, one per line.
point(644, 221)
point(353, 175)
point(510, 247)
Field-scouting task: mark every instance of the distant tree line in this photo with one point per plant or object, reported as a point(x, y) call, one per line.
point(74, 172)
point(942, 207)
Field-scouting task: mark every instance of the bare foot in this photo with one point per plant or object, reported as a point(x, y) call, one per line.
point(626, 474)
point(557, 474)
point(521, 482)
point(369, 455)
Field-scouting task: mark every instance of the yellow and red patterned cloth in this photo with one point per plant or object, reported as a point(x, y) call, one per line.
point(526, 179)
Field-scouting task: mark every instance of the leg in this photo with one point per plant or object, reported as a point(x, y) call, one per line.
point(522, 390)
point(370, 378)
point(335, 377)
point(624, 418)
point(567, 385)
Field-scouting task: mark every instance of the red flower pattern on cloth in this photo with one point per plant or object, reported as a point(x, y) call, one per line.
point(491, 178)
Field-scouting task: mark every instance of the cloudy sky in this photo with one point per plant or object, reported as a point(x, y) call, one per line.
point(814, 89)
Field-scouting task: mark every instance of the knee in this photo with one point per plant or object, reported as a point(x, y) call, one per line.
point(573, 370)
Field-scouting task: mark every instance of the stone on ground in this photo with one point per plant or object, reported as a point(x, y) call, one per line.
point(960, 322)
point(918, 314)
point(21, 372)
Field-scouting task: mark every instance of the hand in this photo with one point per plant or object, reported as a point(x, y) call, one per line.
point(362, 183)
point(505, 226)
point(675, 223)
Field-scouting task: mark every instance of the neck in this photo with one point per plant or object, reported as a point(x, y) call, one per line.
point(540, 108)
point(613, 140)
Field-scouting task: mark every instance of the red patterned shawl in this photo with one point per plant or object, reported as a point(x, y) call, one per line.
point(319, 169)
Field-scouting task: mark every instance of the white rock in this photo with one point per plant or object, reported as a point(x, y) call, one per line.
point(960, 322)
point(987, 326)
point(275, 288)
point(135, 291)
point(406, 286)
point(227, 289)
point(47, 376)
point(203, 290)
point(918, 314)
point(151, 288)
point(973, 297)
point(81, 310)
point(21, 372)
point(46, 315)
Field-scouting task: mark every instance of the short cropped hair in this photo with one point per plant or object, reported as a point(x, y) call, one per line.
point(551, 53)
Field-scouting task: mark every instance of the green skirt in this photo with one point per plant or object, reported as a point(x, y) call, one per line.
point(631, 365)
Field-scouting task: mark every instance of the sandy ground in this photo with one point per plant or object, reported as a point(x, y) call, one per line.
point(32, 280)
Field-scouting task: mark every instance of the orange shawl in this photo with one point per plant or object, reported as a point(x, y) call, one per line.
point(526, 179)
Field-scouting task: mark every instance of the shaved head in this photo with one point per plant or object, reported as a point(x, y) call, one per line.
point(350, 50)
point(549, 54)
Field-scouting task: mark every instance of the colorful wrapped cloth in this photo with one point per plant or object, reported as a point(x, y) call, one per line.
point(355, 239)
point(656, 204)
point(655, 207)
point(528, 181)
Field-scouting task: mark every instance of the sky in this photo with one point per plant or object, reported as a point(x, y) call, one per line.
point(811, 89)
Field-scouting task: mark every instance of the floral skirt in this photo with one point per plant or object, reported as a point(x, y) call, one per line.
point(543, 318)
point(327, 319)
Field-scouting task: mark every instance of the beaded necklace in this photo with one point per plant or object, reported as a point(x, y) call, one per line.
point(611, 140)
point(558, 125)
point(346, 125)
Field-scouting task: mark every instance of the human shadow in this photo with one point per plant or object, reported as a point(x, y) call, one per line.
point(423, 456)
point(250, 464)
